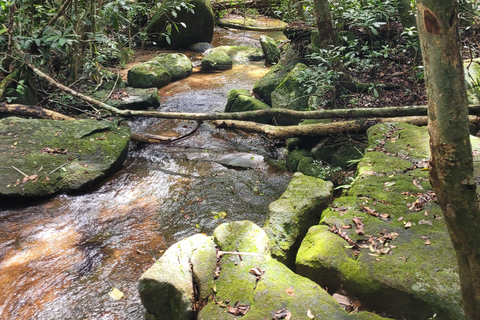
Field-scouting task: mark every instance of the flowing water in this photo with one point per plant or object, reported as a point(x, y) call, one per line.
point(62, 257)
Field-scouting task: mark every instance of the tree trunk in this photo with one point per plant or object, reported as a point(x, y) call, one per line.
point(451, 172)
point(324, 22)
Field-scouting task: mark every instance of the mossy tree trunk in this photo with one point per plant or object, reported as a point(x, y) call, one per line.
point(451, 172)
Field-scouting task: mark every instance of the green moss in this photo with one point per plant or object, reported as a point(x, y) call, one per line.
point(232, 97)
point(294, 157)
point(148, 75)
point(177, 64)
point(216, 61)
point(240, 53)
point(269, 82)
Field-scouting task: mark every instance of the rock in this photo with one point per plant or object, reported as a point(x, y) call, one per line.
point(341, 152)
point(294, 157)
point(270, 49)
point(314, 168)
point(239, 53)
point(240, 100)
point(264, 87)
point(241, 160)
point(216, 61)
point(200, 47)
point(130, 98)
point(57, 156)
point(232, 97)
point(199, 26)
point(148, 74)
point(177, 64)
point(112, 79)
point(290, 93)
point(290, 217)
point(472, 81)
point(410, 277)
point(166, 288)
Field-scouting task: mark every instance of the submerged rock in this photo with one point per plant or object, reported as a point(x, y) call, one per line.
point(239, 53)
point(270, 49)
point(177, 64)
point(45, 157)
point(149, 74)
point(130, 98)
point(216, 61)
point(198, 26)
point(406, 265)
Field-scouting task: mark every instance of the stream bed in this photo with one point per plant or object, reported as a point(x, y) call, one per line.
point(62, 257)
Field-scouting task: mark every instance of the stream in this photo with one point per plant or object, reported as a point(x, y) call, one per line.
point(62, 257)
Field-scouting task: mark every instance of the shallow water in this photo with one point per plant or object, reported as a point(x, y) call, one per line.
point(60, 258)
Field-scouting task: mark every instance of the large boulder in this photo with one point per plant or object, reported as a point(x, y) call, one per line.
point(239, 53)
point(270, 50)
point(167, 288)
point(177, 64)
point(129, 98)
point(290, 93)
point(290, 217)
point(240, 100)
point(385, 240)
point(216, 61)
point(45, 157)
point(264, 87)
point(149, 74)
point(193, 27)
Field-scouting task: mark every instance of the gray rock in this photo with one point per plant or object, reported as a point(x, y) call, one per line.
point(239, 53)
point(166, 288)
point(216, 61)
point(177, 64)
point(57, 156)
point(291, 216)
point(149, 74)
point(200, 47)
point(198, 26)
point(241, 160)
point(130, 98)
point(270, 49)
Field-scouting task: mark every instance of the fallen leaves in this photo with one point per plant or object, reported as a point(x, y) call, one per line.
point(238, 309)
point(257, 273)
point(54, 150)
point(359, 225)
point(282, 314)
point(374, 213)
point(290, 292)
point(422, 199)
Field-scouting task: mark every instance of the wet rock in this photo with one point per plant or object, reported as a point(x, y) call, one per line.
point(290, 93)
point(45, 157)
point(239, 53)
point(264, 87)
point(166, 289)
point(270, 49)
point(291, 216)
point(177, 64)
point(200, 47)
point(240, 100)
point(149, 74)
point(406, 265)
point(241, 160)
point(216, 61)
point(130, 98)
point(232, 97)
point(199, 26)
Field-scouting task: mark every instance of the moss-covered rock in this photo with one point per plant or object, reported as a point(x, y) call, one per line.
point(216, 61)
point(239, 54)
point(270, 49)
point(240, 100)
point(45, 157)
point(290, 94)
point(129, 98)
point(166, 289)
point(294, 157)
point(294, 212)
point(406, 265)
point(177, 64)
point(318, 169)
point(149, 74)
point(198, 26)
point(232, 97)
point(472, 80)
point(264, 87)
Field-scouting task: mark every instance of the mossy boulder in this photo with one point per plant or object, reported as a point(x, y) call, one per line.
point(472, 80)
point(129, 98)
point(270, 50)
point(318, 169)
point(232, 97)
point(290, 217)
point(290, 93)
point(264, 87)
point(193, 27)
point(216, 61)
point(341, 151)
point(148, 74)
point(240, 100)
point(57, 156)
point(177, 64)
point(406, 265)
point(294, 157)
point(166, 289)
point(239, 54)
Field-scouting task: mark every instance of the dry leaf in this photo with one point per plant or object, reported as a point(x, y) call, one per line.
point(290, 292)
point(282, 314)
point(309, 314)
point(400, 219)
point(408, 224)
point(116, 294)
point(417, 184)
point(427, 242)
point(425, 222)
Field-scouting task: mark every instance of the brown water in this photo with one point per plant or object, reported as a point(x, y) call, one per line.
point(60, 258)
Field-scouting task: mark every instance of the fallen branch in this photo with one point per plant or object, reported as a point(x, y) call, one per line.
point(226, 24)
point(32, 111)
point(320, 129)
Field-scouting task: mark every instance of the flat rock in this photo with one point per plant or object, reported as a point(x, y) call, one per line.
point(408, 267)
point(239, 54)
point(45, 157)
point(130, 98)
point(241, 160)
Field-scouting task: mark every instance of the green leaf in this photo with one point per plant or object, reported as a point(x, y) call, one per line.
point(2, 31)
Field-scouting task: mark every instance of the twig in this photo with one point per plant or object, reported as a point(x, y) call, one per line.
point(18, 170)
point(63, 165)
